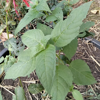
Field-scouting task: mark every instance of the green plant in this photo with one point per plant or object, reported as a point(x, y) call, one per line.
point(50, 48)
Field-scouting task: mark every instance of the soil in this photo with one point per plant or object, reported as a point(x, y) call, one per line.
point(11, 84)
point(85, 51)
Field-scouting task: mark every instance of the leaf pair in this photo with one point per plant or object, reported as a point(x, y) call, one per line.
point(57, 14)
point(35, 40)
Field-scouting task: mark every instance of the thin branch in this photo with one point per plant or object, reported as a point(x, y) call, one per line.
point(7, 90)
point(95, 61)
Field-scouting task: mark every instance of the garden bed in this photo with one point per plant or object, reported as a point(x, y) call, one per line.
point(84, 51)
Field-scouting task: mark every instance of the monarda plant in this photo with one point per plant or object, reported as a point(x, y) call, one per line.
point(49, 49)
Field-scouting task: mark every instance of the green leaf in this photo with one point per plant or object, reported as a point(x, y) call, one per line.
point(1, 59)
point(83, 34)
point(81, 73)
point(86, 34)
point(8, 62)
point(24, 66)
point(32, 14)
point(0, 96)
point(71, 48)
point(57, 14)
point(14, 45)
point(67, 10)
point(65, 31)
point(35, 88)
point(25, 55)
point(61, 3)
point(86, 26)
point(77, 95)
point(20, 95)
point(46, 66)
point(14, 97)
point(1, 69)
point(44, 28)
point(89, 34)
point(2, 27)
point(33, 3)
point(35, 40)
point(42, 6)
point(73, 1)
point(62, 83)
point(10, 44)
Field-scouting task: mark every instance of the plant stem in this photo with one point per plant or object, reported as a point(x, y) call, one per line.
point(7, 28)
point(7, 25)
point(60, 59)
point(20, 82)
point(46, 13)
point(21, 85)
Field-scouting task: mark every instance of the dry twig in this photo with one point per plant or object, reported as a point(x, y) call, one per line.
point(7, 90)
